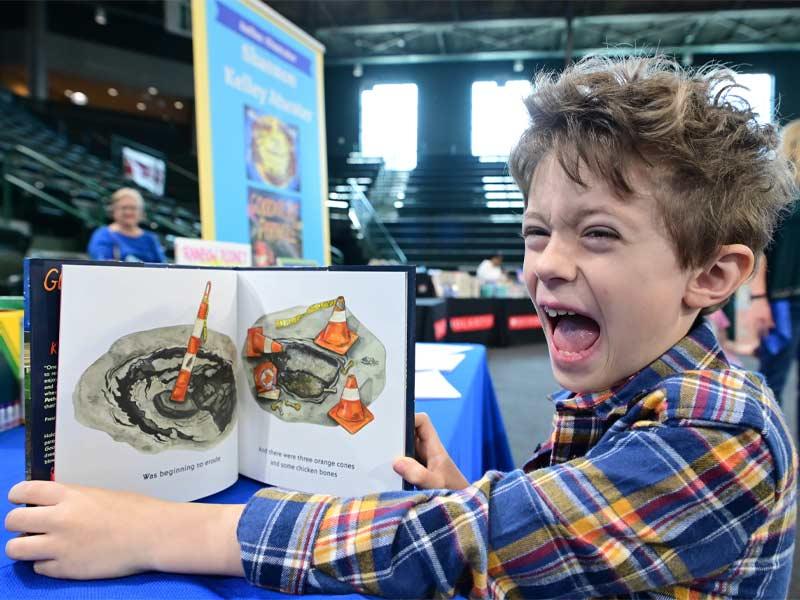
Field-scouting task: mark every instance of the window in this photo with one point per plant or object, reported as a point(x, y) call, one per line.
point(760, 94)
point(389, 124)
point(498, 116)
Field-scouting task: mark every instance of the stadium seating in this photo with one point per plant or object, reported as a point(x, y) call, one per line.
point(61, 189)
point(456, 211)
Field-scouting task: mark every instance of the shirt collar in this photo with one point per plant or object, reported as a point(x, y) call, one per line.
point(699, 349)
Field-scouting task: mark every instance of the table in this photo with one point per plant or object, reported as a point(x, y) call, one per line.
point(488, 321)
point(431, 319)
point(474, 416)
point(459, 422)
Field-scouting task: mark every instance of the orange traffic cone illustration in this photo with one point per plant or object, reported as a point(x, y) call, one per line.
point(351, 413)
point(266, 378)
point(337, 335)
point(199, 334)
point(257, 343)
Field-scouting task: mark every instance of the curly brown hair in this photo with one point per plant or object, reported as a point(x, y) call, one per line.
point(715, 172)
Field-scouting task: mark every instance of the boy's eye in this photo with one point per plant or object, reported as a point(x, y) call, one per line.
point(602, 234)
point(534, 231)
point(535, 238)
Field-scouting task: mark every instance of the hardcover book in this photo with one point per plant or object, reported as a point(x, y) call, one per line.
point(172, 381)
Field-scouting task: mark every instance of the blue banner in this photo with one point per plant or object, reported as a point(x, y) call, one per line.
point(250, 30)
point(260, 131)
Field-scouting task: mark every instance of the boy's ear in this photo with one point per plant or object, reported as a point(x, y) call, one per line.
point(720, 278)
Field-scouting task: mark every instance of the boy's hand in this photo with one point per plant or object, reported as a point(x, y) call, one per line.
point(437, 470)
point(84, 533)
point(91, 533)
point(761, 317)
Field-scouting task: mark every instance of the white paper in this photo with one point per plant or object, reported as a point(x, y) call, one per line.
point(378, 301)
point(433, 385)
point(431, 358)
point(210, 253)
point(100, 305)
point(445, 348)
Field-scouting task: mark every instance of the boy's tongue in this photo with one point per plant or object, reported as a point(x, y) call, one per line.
point(575, 333)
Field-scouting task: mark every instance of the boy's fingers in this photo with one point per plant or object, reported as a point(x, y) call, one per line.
point(420, 418)
point(414, 473)
point(48, 568)
point(425, 430)
point(43, 493)
point(30, 547)
point(35, 519)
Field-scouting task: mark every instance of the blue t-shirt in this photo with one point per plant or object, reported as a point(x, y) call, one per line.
point(112, 245)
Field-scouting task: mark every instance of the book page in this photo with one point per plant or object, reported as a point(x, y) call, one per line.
point(324, 399)
point(146, 397)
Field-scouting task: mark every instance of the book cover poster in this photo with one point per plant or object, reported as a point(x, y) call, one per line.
point(324, 390)
point(260, 111)
point(276, 229)
point(146, 398)
point(271, 149)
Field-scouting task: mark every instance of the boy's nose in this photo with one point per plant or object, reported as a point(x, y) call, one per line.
point(555, 262)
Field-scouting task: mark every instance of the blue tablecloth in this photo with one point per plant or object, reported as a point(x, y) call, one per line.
point(474, 417)
point(460, 422)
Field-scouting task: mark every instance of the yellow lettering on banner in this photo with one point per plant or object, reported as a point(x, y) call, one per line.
point(281, 323)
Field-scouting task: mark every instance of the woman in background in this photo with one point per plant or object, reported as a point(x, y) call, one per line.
point(775, 289)
point(124, 239)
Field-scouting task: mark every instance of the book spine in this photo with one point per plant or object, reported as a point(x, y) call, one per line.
point(26, 362)
point(43, 300)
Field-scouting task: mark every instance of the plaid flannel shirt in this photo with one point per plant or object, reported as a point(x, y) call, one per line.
point(679, 483)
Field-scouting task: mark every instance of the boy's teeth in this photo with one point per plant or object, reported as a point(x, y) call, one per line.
point(557, 313)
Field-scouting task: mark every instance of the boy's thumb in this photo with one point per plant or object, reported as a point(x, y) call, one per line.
point(413, 472)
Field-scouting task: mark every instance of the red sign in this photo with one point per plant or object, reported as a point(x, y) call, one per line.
point(517, 322)
point(439, 329)
point(467, 323)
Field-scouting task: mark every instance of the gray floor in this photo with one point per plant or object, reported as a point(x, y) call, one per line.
point(522, 381)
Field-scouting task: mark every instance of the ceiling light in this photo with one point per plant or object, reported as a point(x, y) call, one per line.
point(79, 98)
point(141, 106)
point(358, 70)
point(152, 90)
point(100, 16)
point(518, 66)
point(113, 92)
point(178, 104)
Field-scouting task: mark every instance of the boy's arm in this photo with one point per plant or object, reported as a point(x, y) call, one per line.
point(650, 508)
point(90, 533)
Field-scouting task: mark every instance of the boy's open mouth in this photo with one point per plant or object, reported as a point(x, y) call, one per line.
point(571, 332)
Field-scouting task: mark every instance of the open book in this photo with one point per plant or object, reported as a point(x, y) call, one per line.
point(171, 381)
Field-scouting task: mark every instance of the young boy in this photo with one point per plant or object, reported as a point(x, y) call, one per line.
point(669, 473)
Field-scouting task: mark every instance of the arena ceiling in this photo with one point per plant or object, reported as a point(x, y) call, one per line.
point(430, 31)
point(403, 31)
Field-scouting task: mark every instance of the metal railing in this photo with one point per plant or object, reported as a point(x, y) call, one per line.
point(9, 179)
point(377, 240)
